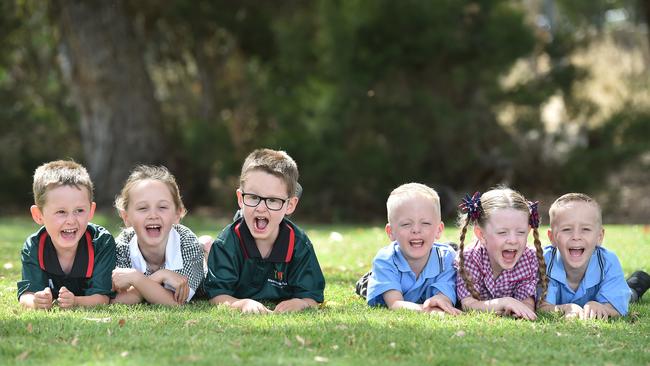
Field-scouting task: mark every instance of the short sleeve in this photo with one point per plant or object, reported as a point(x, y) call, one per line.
point(614, 289)
point(445, 282)
point(101, 280)
point(224, 267)
point(33, 278)
point(385, 277)
point(305, 276)
point(192, 253)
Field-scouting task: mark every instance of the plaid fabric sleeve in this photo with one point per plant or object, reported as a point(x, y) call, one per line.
point(192, 253)
point(122, 251)
point(527, 275)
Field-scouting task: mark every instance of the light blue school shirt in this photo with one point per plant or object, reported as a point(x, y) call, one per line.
point(391, 271)
point(603, 281)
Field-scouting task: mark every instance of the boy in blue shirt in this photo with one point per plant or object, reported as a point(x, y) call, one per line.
point(413, 272)
point(585, 280)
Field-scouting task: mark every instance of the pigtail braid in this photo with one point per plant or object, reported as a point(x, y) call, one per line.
point(463, 273)
point(543, 280)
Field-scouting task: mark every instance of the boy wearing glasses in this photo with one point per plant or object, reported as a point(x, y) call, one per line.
point(262, 255)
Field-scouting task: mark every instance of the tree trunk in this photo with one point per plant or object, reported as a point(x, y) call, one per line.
point(120, 118)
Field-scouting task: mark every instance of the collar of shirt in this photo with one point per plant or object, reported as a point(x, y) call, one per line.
point(430, 270)
point(282, 251)
point(592, 275)
point(49, 260)
point(173, 256)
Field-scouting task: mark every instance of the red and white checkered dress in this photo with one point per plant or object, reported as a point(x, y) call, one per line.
point(520, 282)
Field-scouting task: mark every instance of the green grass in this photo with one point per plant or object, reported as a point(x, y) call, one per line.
point(344, 332)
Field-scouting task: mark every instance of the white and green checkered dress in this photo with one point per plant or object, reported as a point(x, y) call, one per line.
point(183, 255)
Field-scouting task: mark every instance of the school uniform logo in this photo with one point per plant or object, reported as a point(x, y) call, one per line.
point(278, 279)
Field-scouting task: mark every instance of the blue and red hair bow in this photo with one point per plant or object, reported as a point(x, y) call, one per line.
point(472, 206)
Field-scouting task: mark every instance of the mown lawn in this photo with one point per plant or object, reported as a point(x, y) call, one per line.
point(344, 331)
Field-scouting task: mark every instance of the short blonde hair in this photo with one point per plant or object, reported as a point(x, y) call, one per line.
point(569, 198)
point(60, 173)
point(410, 190)
point(274, 162)
point(145, 172)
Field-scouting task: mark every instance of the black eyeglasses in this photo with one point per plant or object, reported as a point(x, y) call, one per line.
point(272, 203)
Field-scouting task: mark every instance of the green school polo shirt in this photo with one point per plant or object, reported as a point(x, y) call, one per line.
point(236, 268)
point(91, 271)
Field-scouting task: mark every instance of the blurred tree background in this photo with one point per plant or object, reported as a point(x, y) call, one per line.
point(547, 96)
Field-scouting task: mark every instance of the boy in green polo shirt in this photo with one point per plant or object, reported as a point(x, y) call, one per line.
point(263, 255)
point(69, 260)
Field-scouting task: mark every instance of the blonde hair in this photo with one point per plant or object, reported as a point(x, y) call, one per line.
point(491, 201)
point(60, 173)
point(274, 162)
point(410, 190)
point(568, 198)
point(145, 172)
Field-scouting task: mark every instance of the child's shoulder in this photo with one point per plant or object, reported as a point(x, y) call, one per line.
point(387, 252)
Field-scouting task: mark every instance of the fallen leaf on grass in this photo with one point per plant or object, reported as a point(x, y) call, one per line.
point(191, 322)
point(124, 354)
point(8, 265)
point(22, 356)
point(303, 342)
point(121, 322)
point(460, 333)
point(287, 342)
point(99, 320)
point(74, 341)
point(335, 347)
point(30, 328)
point(392, 345)
point(321, 359)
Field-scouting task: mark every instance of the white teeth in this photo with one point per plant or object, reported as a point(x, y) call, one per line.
point(153, 226)
point(69, 231)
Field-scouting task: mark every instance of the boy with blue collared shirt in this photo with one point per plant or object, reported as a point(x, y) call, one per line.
point(585, 279)
point(413, 272)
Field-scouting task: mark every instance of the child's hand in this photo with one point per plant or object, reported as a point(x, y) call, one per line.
point(517, 309)
point(179, 283)
point(250, 306)
point(123, 278)
point(43, 299)
point(594, 310)
point(442, 302)
point(291, 305)
point(66, 298)
point(572, 311)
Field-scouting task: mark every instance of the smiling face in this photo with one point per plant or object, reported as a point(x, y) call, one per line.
point(65, 215)
point(576, 230)
point(504, 235)
point(415, 226)
point(264, 224)
point(151, 212)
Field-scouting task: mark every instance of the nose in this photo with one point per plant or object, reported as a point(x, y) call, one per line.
point(416, 228)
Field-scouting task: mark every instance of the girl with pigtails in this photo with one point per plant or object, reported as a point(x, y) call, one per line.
point(500, 273)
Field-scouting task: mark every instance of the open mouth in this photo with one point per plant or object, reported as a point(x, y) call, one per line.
point(576, 252)
point(153, 230)
point(509, 254)
point(68, 234)
point(416, 243)
point(261, 223)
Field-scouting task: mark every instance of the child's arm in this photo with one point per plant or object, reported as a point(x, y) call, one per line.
point(244, 305)
point(68, 300)
point(295, 304)
point(37, 300)
point(394, 301)
point(150, 290)
point(177, 281)
point(503, 306)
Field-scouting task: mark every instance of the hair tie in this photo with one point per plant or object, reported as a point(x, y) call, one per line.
point(472, 206)
point(534, 214)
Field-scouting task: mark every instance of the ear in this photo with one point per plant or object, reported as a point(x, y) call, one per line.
point(479, 233)
point(389, 232)
point(441, 228)
point(91, 214)
point(178, 216)
point(240, 198)
point(125, 217)
point(37, 215)
point(601, 236)
point(292, 203)
point(549, 233)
